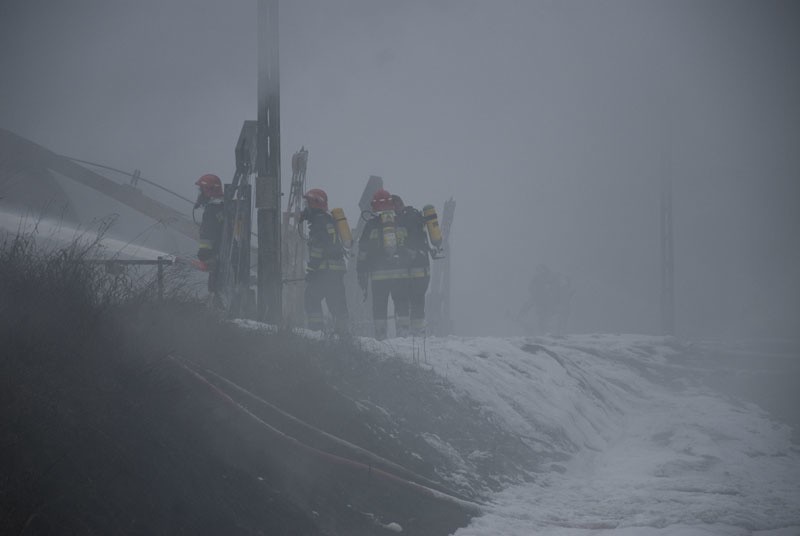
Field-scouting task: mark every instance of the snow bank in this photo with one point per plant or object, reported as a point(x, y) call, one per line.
point(651, 452)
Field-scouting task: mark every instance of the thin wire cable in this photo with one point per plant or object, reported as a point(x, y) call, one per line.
point(138, 177)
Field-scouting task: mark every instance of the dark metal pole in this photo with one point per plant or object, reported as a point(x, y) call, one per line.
point(667, 249)
point(268, 163)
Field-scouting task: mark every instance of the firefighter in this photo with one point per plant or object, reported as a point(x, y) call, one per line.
point(379, 261)
point(210, 197)
point(549, 295)
point(326, 266)
point(415, 256)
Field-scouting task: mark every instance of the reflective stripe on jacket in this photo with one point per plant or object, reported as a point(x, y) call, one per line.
point(325, 250)
point(210, 233)
point(373, 259)
point(416, 247)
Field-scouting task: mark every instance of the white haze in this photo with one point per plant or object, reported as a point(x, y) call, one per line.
point(550, 123)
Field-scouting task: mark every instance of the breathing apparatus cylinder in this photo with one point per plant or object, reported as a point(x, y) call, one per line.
point(342, 227)
point(389, 232)
point(432, 224)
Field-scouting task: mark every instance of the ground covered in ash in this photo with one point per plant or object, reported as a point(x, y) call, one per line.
point(166, 420)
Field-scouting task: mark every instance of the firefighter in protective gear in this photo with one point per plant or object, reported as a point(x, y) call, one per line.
point(378, 260)
point(210, 197)
point(326, 266)
point(415, 256)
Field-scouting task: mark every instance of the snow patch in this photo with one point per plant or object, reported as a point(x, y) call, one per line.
point(648, 451)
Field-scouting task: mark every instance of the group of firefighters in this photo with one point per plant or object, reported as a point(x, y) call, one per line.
point(393, 260)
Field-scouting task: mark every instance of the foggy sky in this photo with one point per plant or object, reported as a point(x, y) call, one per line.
point(549, 122)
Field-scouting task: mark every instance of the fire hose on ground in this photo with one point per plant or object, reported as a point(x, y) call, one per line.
point(194, 370)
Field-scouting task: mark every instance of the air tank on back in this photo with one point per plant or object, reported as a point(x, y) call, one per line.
point(342, 227)
point(432, 224)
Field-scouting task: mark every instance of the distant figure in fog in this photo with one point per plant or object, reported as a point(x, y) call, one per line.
point(549, 294)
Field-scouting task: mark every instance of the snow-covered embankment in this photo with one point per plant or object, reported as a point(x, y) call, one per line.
point(640, 447)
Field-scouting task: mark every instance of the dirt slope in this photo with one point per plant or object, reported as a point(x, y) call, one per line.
point(110, 432)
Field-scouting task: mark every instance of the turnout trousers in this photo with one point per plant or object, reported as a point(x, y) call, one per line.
point(382, 289)
point(410, 311)
point(326, 285)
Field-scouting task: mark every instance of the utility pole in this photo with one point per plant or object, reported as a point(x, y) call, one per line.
point(667, 250)
point(268, 164)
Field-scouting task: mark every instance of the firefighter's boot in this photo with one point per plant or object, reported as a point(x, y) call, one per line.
point(417, 328)
point(380, 329)
point(403, 326)
point(340, 327)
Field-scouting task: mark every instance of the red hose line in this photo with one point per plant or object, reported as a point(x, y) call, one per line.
point(339, 441)
point(333, 458)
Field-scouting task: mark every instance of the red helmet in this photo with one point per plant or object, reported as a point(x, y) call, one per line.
point(210, 185)
point(381, 201)
point(317, 199)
